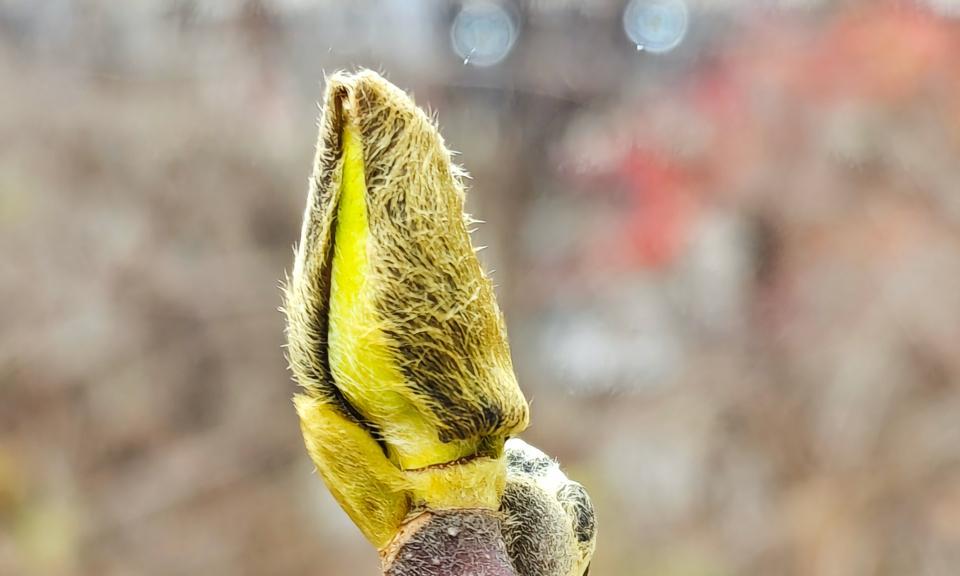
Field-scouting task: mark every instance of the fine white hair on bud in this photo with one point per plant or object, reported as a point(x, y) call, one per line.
point(538, 494)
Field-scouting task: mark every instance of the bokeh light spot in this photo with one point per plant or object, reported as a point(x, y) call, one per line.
point(483, 33)
point(656, 26)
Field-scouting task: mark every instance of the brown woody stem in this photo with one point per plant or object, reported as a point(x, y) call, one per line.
point(449, 543)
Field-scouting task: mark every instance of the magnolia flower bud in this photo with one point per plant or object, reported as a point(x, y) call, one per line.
point(549, 525)
point(392, 327)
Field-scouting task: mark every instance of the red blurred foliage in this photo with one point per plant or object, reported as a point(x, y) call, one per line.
point(757, 104)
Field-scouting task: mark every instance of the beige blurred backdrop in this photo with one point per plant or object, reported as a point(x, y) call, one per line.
point(725, 234)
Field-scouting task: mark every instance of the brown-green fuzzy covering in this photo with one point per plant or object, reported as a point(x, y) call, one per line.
point(435, 303)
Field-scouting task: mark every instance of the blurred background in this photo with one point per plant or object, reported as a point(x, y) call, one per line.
point(725, 234)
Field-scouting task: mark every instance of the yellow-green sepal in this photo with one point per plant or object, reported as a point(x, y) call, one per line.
point(370, 489)
point(476, 483)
